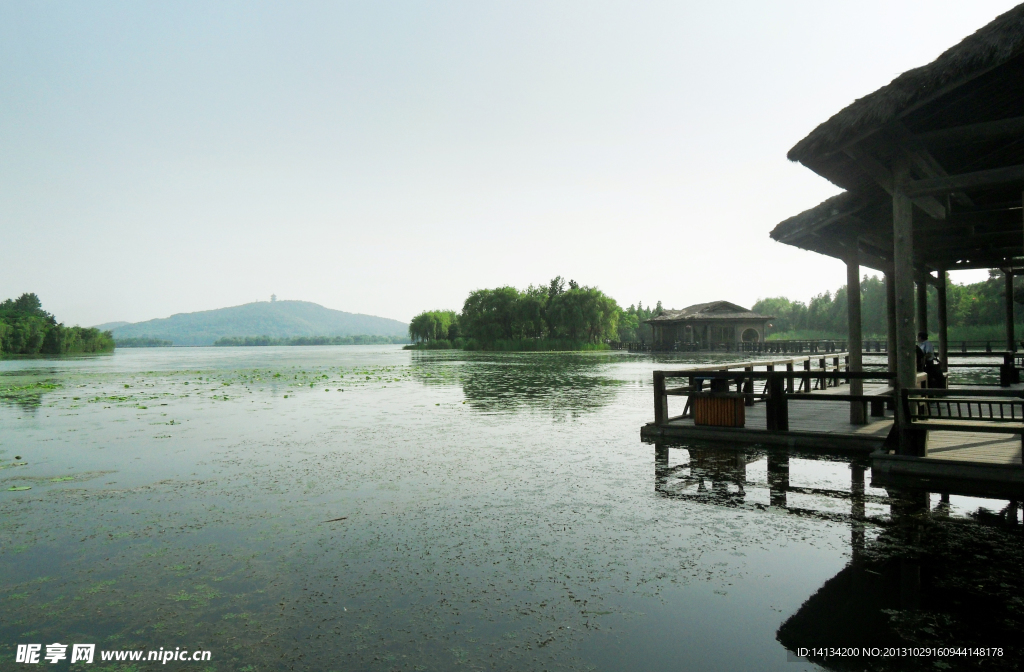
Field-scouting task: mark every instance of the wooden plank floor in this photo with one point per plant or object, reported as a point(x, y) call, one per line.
point(829, 417)
point(974, 447)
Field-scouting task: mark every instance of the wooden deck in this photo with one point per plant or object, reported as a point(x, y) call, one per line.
point(824, 424)
point(958, 462)
point(974, 447)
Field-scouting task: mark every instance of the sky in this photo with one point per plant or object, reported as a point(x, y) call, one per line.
point(390, 157)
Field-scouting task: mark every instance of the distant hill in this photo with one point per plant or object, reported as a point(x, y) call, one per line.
point(277, 319)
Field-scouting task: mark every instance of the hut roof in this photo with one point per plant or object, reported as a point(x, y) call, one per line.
point(713, 310)
point(953, 133)
point(996, 44)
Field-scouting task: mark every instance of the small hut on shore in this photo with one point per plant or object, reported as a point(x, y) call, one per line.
point(932, 165)
point(708, 325)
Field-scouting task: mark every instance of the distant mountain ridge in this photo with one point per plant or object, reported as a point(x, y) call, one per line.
point(278, 319)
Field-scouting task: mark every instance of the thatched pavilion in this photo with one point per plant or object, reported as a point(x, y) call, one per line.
point(932, 165)
point(707, 325)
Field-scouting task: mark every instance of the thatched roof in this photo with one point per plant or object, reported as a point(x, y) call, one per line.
point(832, 208)
point(713, 310)
point(994, 45)
point(957, 121)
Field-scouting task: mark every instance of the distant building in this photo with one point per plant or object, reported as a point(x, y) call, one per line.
point(273, 297)
point(708, 325)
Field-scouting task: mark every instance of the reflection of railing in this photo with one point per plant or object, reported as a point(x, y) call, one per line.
point(719, 477)
point(995, 411)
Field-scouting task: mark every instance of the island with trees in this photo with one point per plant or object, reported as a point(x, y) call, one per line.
point(555, 316)
point(27, 329)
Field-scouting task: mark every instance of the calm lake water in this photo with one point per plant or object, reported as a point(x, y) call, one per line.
point(369, 508)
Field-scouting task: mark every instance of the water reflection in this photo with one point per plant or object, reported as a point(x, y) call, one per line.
point(925, 570)
point(26, 392)
point(560, 383)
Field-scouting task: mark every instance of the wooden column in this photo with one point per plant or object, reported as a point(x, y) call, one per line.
point(903, 290)
point(660, 399)
point(854, 344)
point(1010, 342)
point(922, 305)
point(943, 322)
point(890, 321)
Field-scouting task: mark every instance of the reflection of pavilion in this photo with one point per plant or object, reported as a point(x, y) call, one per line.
point(920, 569)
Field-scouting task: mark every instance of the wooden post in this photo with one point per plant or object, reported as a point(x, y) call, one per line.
point(854, 335)
point(943, 321)
point(890, 322)
point(1010, 342)
point(660, 399)
point(903, 289)
point(789, 379)
point(777, 410)
point(922, 305)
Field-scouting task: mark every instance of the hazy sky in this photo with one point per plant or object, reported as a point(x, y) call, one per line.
point(389, 157)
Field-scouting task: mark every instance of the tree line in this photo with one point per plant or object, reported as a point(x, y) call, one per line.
point(555, 315)
point(972, 310)
point(27, 329)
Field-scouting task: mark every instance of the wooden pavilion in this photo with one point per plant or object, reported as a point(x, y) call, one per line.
point(932, 165)
point(707, 325)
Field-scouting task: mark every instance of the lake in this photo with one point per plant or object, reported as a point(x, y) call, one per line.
point(370, 508)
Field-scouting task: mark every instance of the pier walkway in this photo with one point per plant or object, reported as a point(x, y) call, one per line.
point(970, 435)
point(824, 424)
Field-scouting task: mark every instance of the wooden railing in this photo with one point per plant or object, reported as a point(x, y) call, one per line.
point(1009, 365)
point(824, 345)
point(779, 386)
point(762, 347)
point(993, 411)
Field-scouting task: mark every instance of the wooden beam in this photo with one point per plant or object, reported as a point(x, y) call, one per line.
point(990, 257)
point(838, 249)
point(969, 264)
point(962, 135)
point(983, 241)
point(983, 178)
point(926, 164)
point(883, 177)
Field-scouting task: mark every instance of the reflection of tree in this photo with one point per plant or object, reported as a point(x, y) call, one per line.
point(559, 382)
point(26, 395)
point(925, 580)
